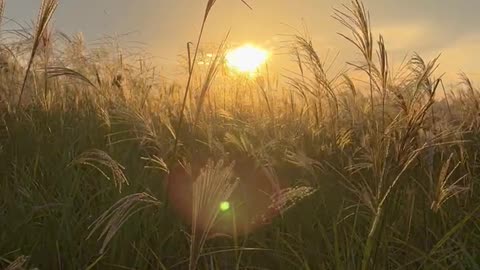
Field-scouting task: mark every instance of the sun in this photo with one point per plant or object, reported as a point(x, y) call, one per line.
point(246, 59)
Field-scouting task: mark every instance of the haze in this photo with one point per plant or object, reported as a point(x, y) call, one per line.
point(428, 27)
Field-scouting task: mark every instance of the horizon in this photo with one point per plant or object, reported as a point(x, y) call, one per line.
point(423, 29)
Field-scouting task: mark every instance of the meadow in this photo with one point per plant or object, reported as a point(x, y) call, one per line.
point(105, 165)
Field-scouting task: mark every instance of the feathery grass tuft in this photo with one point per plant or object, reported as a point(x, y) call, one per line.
point(97, 159)
point(47, 10)
point(213, 186)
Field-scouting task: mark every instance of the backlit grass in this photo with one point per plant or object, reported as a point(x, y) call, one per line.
point(105, 165)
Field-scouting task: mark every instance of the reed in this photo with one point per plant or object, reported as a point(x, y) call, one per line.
point(382, 176)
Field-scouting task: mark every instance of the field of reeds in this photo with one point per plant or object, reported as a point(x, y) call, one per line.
point(105, 165)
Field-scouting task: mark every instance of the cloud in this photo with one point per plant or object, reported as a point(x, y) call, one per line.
point(406, 36)
point(462, 55)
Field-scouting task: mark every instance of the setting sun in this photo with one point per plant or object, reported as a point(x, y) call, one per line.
point(246, 59)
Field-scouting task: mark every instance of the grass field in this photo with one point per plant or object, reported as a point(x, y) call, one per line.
point(104, 165)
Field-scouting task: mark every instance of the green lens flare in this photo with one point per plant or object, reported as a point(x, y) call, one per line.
point(224, 206)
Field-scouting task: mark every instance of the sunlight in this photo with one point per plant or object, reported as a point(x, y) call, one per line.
point(246, 59)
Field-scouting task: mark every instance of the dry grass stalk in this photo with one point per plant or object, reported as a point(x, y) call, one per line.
point(192, 65)
point(443, 190)
point(47, 10)
point(58, 71)
point(2, 10)
point(119, 213)
point(322, 86)
point(357, 20)
point(284, 200)
point(211, 74)
point(18, 263)
point(97, 158)
point(213, 186)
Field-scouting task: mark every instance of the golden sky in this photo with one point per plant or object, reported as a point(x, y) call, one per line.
point(428, 27)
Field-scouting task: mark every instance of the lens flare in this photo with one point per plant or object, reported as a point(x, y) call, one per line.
point(247, 209)
point(224, 206)
point(246, 59)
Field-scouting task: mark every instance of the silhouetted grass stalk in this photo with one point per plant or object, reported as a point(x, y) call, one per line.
point(47, 10)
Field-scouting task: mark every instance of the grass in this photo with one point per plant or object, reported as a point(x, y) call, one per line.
point(96, 150)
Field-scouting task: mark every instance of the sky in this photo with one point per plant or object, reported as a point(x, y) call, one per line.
point(428, 27)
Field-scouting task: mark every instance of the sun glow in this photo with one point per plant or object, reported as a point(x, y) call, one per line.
point(246, 59)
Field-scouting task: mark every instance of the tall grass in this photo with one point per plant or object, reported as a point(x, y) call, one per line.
point(47, 10)
point(377, 177)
